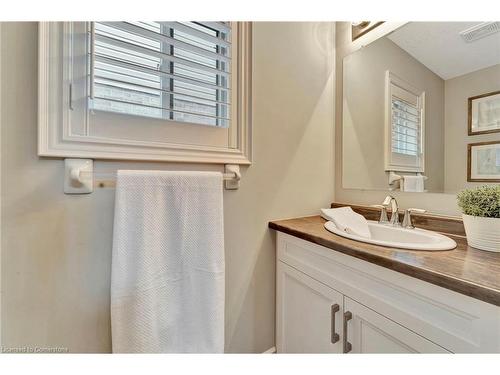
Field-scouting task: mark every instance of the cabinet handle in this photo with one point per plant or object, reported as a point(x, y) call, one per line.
point(334, 335)
point(347, 345)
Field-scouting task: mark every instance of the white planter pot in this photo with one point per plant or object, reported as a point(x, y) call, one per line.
point(482, 232)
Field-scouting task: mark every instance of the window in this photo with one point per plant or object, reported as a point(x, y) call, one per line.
point(163, 70)
point(175, 91)
point(404, 126)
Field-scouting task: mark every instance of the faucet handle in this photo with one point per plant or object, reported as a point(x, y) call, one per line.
point(387, 201)
point(407, 218)
point(383, 213)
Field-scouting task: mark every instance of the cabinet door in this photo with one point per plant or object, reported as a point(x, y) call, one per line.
point(370, 332)
point(308, 314)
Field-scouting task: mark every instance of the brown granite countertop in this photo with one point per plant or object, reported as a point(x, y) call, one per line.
point(465, 270)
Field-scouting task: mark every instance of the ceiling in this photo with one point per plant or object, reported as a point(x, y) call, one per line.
point(439, 46)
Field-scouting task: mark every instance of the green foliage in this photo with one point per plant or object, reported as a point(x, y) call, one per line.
point(482, 201)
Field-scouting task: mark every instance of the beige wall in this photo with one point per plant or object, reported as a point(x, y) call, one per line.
point(437, 203)
point(457, 90)
point(363, 121)
point(56, 248)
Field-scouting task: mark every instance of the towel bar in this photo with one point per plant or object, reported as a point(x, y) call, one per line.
point(80, 177)
point(111, 182)
point(393, 177)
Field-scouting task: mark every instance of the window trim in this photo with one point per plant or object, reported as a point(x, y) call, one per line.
point(54, 131)
point(390, 164)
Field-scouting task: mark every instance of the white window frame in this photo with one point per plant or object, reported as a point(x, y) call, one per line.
point(57, 138)
point(393, 163)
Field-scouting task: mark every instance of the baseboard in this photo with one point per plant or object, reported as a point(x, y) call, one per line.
point(270, 351)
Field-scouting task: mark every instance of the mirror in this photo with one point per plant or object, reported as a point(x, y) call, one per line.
point(421, 109)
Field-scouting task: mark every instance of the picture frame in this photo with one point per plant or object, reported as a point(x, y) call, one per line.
point(483, 162)
point(484, 113)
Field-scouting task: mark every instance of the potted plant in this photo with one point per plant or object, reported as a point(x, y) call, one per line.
point(481, 216)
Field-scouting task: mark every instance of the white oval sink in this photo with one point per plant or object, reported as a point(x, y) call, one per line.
point(387, 235)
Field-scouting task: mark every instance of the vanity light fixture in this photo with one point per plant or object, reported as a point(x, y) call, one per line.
point(360, 28)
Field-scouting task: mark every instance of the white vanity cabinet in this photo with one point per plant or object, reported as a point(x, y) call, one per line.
point(310, 314)
point(313, 318)
point(329, 302)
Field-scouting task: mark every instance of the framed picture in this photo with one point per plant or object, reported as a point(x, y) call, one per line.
point(483, 162)
point(484, 113)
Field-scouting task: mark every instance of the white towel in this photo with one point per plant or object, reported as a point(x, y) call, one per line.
point(347, 220)
point(167, 280)
point(413, 183)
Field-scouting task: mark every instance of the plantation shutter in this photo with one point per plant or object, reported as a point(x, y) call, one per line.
point(405, 127)
point(176, 71)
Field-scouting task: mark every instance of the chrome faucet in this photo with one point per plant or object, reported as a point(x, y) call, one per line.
point(390, 200)
point(383, 213)
point(407, 219)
